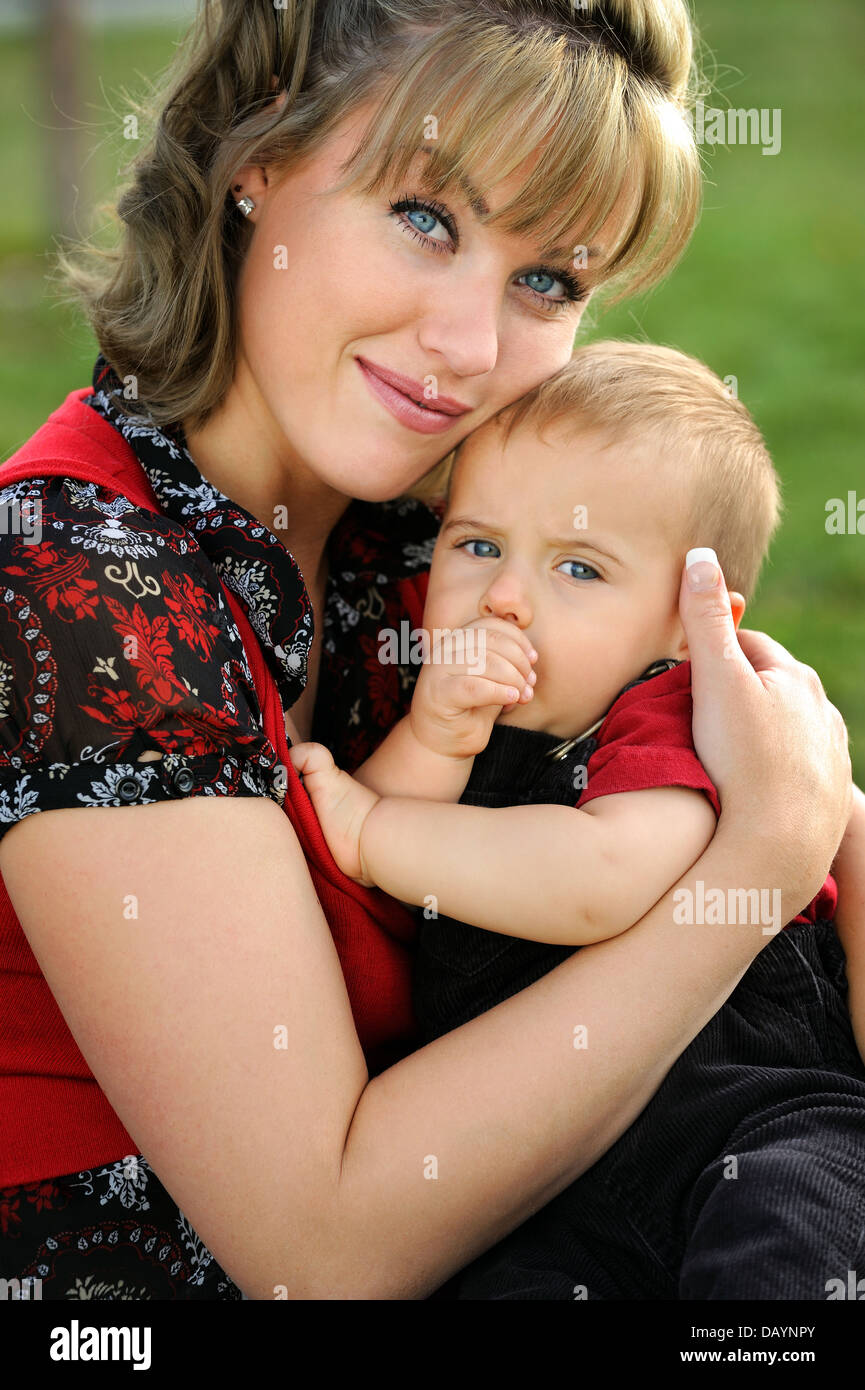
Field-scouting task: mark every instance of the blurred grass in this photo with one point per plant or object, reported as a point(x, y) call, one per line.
point(771, 290)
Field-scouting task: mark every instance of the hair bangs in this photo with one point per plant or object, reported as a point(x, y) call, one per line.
point(595, 144)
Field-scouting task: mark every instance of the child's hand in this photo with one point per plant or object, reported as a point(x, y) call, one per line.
point(473, 674)
point(341, 804)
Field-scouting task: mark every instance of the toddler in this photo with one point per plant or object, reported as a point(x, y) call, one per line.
point(543, 793)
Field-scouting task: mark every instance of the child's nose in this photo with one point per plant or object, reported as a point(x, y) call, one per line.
point(506, 598)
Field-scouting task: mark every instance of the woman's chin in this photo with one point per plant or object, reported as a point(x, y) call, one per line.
point(379, 489)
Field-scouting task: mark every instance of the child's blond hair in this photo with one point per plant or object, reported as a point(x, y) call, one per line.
point(635, 390)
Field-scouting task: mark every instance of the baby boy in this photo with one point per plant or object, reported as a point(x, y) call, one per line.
point(543, 793)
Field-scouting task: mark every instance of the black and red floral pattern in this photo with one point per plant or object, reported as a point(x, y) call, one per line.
point(107, 1233)
point(115, 640)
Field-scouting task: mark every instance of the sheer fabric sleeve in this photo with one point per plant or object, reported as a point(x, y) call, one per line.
point(123, 678)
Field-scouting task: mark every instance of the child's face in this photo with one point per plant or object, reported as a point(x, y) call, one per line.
point(578, 541)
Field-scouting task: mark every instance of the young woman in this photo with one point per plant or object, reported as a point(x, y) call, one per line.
point(362, 228)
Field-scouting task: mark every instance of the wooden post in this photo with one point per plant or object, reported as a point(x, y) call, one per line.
point(61, 50)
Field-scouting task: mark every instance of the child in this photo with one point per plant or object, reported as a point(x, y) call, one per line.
point(582, 802)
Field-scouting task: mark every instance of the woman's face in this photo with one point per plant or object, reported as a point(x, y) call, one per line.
point(337, 289)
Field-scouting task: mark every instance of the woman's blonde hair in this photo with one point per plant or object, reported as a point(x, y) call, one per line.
point(598, 89)
point(724, 487)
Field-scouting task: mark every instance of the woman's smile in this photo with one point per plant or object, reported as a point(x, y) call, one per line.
point(404, 399)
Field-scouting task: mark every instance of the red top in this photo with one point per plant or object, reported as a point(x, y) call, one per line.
point(646, 741)
point(55, 1118)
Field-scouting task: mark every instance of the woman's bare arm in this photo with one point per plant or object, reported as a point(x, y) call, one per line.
point(294, 1168)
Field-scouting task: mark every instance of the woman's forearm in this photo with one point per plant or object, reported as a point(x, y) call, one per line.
point(257, 1112)
point(463, 1140)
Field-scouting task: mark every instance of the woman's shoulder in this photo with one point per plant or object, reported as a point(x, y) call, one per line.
point(116, 641)
point(47, 523)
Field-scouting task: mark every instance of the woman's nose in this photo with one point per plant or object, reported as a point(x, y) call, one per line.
point(462, 327)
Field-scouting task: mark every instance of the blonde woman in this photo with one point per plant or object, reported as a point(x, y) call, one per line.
point(361, 229)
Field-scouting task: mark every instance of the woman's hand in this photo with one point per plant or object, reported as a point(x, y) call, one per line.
point(769, 738)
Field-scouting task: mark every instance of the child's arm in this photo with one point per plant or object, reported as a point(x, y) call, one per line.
point(849, 872)
point(543, 873)
point(472, 673)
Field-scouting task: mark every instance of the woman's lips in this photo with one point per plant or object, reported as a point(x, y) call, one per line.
point(424, 419)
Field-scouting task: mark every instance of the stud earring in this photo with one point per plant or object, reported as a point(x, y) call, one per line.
point(245, 205)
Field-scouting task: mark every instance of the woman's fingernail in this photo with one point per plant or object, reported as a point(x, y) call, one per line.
point(513, 695)
point(704, 571)
point(533, 678)
point(528, 693)
point(533, 656)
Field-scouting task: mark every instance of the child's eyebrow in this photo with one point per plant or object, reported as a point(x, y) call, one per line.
point(574, 541)
point(467, 523)
point(577, 542)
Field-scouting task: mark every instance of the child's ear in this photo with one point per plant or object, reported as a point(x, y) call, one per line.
point(738, 606)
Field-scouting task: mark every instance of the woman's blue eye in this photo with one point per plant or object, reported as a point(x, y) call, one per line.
point(420, 219)
point(424, 221)
point(490, 553)
point(544, 282)
point(573, 566)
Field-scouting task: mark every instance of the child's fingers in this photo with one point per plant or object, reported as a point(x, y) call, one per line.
point(474, 647)
point(501, 671)
point(494, 629)
point(309, 758)
point(476, 692)
point(505, 646)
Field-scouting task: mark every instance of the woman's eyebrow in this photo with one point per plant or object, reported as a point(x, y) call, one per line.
point(480, 207)
point(476, 201)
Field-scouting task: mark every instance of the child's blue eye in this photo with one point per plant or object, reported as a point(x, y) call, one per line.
point(576, 569)
point(490, 553)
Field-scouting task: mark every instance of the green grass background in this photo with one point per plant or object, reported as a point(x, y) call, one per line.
point(771, 290)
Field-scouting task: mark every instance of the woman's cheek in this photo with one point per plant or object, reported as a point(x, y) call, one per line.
point(546, 345)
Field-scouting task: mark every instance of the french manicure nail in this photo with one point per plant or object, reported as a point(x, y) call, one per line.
point(703, 569)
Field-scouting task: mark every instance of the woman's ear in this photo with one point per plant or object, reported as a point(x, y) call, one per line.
point(738, 606)
point(251, 180)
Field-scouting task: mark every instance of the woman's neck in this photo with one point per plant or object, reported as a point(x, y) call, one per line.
point(253, 465)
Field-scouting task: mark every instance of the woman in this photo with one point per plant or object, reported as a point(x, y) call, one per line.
point(284, 330)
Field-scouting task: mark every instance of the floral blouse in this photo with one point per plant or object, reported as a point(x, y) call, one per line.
point(116, 640)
